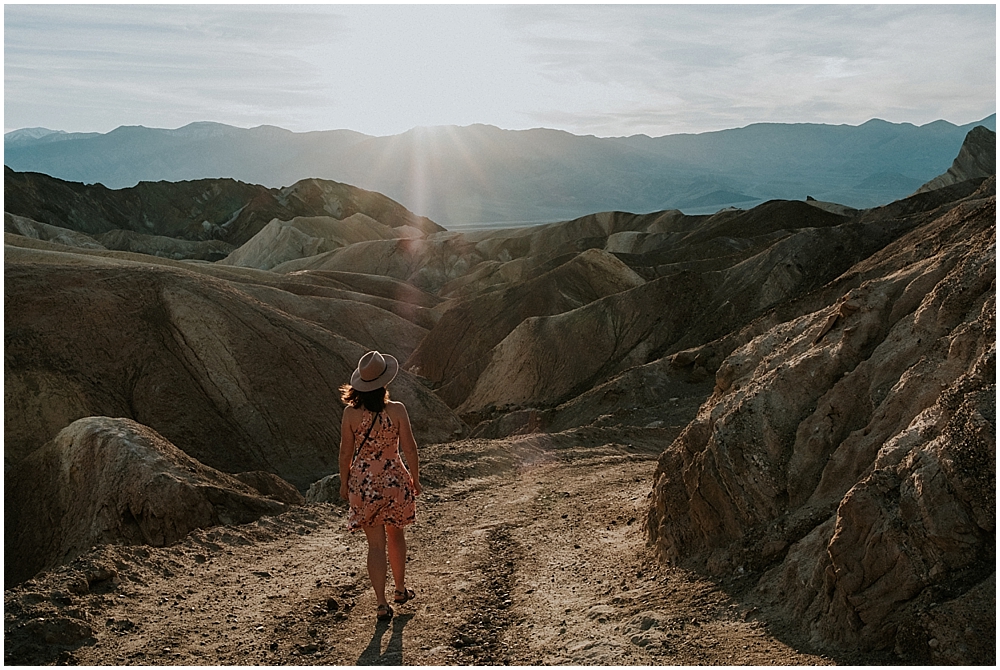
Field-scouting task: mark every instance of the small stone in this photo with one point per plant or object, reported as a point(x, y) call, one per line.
point(933, 643)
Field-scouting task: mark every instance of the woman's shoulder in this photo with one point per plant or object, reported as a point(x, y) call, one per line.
point(353, 415)
point(395, 408)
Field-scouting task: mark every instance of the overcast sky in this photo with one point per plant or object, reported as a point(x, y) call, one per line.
point(606, 70)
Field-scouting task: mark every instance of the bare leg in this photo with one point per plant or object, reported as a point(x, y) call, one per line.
point(397, 555)
point(376, 560)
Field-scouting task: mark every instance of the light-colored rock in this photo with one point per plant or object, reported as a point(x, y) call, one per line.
point(302, 237)
point(19, 225)
point(325, 490)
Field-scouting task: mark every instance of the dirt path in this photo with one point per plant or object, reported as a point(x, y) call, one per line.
point(524, 553)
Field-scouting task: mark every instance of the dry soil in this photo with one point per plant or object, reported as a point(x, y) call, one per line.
point(527, 551)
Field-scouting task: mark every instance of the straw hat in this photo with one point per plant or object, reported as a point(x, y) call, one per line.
point(374, 371)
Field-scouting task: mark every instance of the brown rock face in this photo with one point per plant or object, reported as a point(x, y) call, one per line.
point(235, 382)
point(848, 453)
point(105, 480)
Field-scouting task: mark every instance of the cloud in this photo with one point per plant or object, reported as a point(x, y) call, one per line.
point(598, 69)
point(684, 68)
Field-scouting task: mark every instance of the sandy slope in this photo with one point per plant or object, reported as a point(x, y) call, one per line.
point(541, 562)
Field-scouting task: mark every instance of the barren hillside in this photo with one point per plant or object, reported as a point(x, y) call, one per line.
point(761, 436)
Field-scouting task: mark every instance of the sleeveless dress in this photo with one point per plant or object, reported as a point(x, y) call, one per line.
point(379, 489)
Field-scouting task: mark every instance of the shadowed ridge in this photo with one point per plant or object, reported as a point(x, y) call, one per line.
point(204, 209)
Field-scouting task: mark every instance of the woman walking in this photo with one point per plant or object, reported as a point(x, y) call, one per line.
point(380, 488)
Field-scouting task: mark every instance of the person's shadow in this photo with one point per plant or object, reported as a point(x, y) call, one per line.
point(393, 654)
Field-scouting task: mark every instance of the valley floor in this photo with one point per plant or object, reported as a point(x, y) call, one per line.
point(541, 562)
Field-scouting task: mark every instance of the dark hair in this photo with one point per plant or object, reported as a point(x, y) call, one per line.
point(373, 401)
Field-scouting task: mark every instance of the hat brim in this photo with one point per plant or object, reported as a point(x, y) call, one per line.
point(391, 368)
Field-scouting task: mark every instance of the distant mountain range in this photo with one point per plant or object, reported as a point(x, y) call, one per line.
point(482, 174)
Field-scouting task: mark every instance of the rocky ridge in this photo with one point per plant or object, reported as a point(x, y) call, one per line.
point(846, 456)
point(204, 209)
point(976, 159)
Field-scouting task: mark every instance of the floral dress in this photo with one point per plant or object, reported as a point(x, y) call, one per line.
point(379, 488)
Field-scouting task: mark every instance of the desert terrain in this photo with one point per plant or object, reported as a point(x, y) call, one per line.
point(537, 556)
point(761, 436)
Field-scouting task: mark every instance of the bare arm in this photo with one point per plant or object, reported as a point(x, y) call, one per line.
point(408, 444)
point(346, 450)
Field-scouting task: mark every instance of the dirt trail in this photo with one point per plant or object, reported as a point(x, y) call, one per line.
point(525, 552)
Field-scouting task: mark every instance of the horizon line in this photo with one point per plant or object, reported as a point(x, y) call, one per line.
point(490, 125)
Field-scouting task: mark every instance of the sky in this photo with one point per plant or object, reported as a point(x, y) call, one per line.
point(605, 70)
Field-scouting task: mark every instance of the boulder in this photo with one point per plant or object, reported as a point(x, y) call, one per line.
point(326, 490)
point(104, 480)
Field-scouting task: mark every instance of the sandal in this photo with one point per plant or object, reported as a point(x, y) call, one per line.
point(384, 613)
point(404, 595)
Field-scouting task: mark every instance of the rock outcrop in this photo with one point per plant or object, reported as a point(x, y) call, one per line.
point(103, 480)
point(976, 159)
point(847, 455)
point(325, 490)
